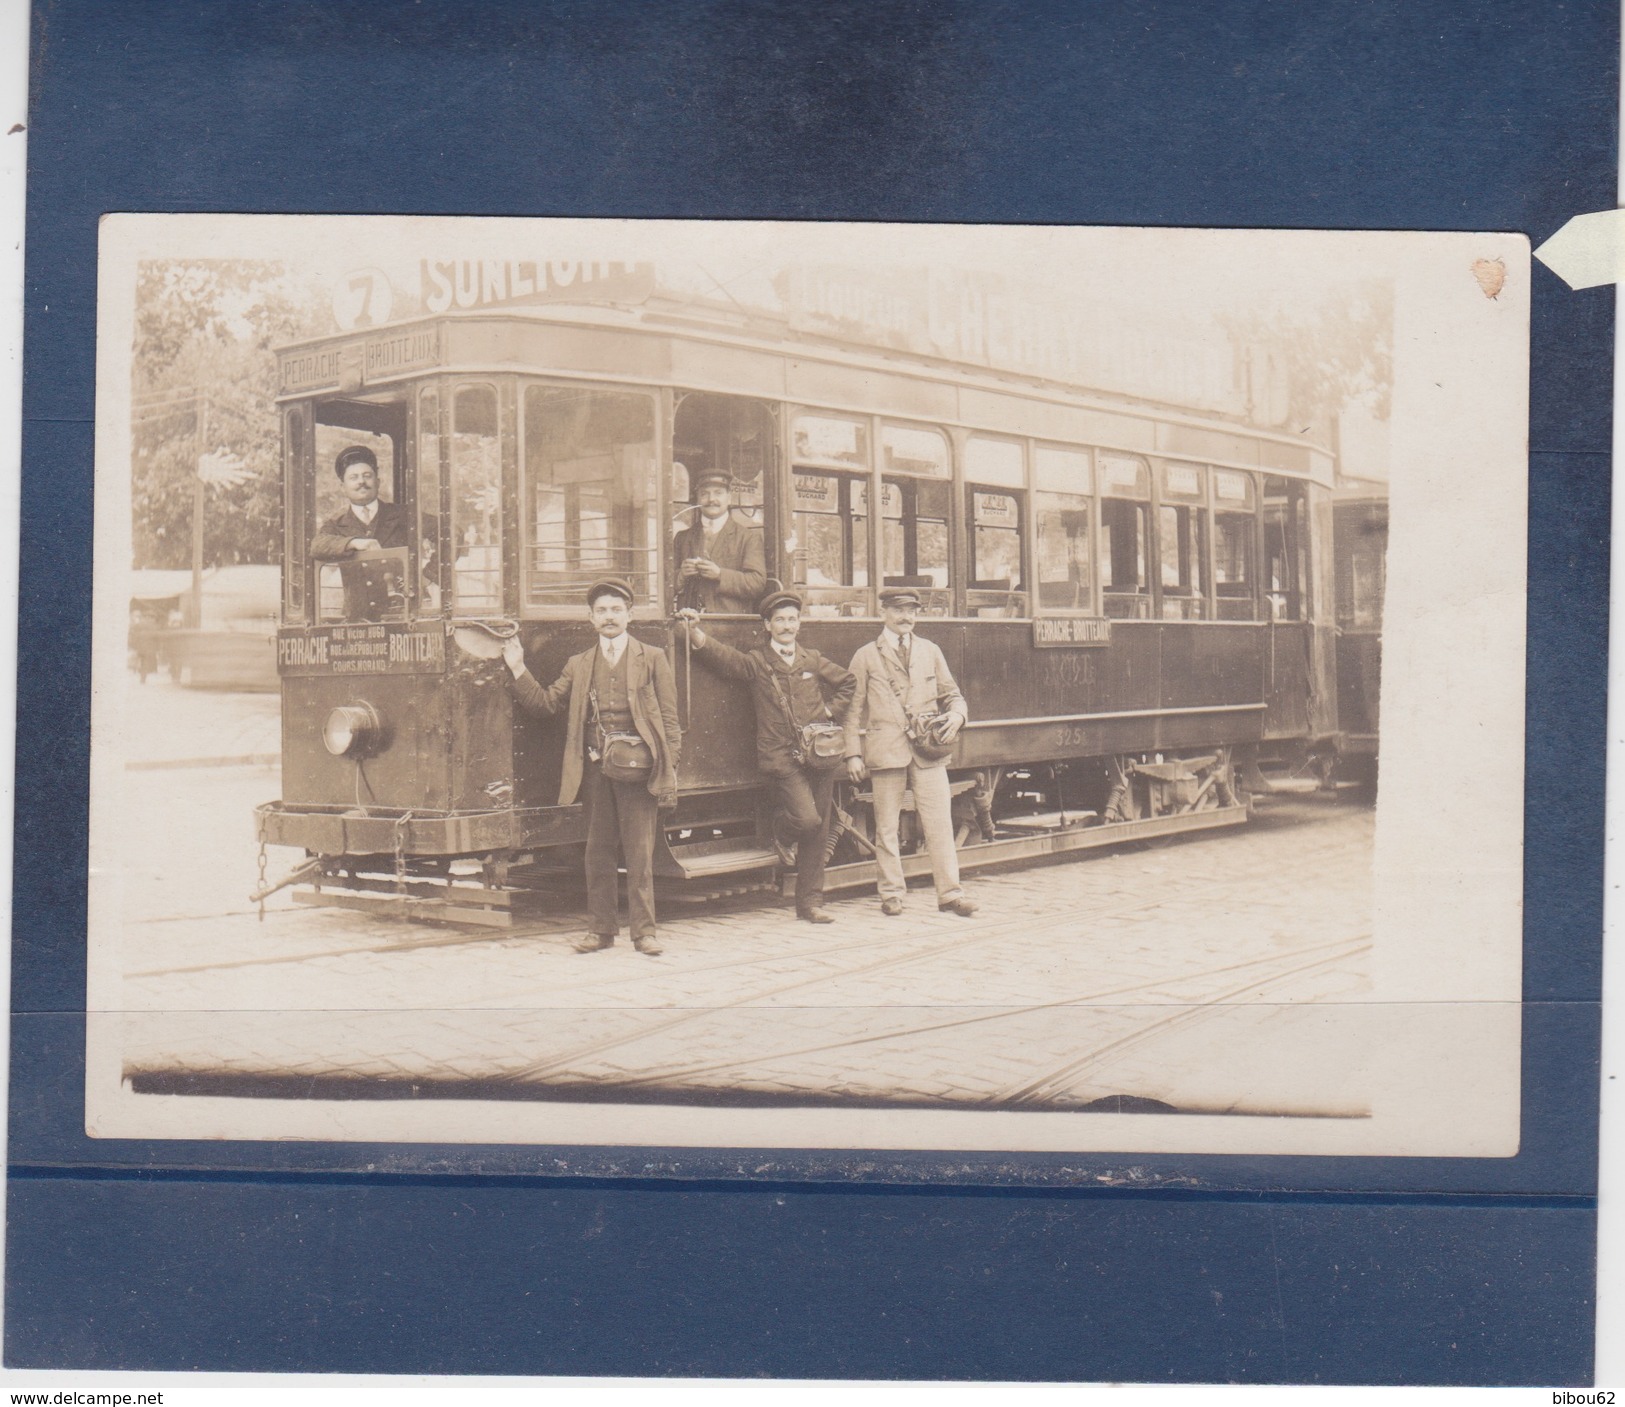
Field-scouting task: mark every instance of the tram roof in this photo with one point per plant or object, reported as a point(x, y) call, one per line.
point(748, 354)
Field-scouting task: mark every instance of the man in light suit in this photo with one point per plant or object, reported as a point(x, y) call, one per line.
point(619, 685)
point(721, 567)
point(899, 678)
point(367, 524)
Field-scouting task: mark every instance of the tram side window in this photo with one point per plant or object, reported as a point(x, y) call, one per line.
point(1235, 529)
point(1064, 577)
point(832, 542)
point(1180, 531)
point(1285, 548)
point(997, 585)
point(429, 501)
point(590, 473)
point(476, 501)
point(914, 536)
point(1233, 564)
point(1124, 537)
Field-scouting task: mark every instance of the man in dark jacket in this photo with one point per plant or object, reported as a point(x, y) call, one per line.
point(619, 686)
point(791, 686)
point(720, 566)
point(367, 524)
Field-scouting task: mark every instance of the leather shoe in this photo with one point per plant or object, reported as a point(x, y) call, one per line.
point(891, 907)
point(786, 852)
point(593, 942)
point(963, 907)
point(815, 916)
point(648, 945)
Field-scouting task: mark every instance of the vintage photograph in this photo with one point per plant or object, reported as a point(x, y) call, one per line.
point(737, 684)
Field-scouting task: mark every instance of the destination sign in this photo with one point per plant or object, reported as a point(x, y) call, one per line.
point(415, 350)
point(1062, 632)
point(390, 648)
point(318, 370)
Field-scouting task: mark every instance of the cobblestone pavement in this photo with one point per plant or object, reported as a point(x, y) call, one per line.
point(1211, 974)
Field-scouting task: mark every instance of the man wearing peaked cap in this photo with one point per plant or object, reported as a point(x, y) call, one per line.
point(621, 747)
point(721, 567)
point(791, 686)
point(367, 524)
point(906, 710)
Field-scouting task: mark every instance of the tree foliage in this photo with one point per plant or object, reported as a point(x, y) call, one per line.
point(1322, 358)
point(205, 380)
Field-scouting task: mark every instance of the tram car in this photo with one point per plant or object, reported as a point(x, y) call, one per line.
point(1136, 599)
point(1360, 546)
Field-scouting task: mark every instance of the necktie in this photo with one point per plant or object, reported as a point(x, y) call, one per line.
point(905, 650)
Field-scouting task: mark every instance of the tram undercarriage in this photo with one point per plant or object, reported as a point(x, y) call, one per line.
point(1002, 815)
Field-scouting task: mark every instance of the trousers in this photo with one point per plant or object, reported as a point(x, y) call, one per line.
point(621, 821)
point(806, 801)
point(933, 805)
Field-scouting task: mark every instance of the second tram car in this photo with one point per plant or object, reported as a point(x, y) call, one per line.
point(1360, 517)
point(1136, 599)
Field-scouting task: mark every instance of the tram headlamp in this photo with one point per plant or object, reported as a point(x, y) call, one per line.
point(352, 730)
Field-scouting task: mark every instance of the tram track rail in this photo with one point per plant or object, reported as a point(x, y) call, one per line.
point(1026, 1094)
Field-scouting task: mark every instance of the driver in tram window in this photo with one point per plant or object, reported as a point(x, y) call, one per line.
point(720, 563)
point(367, 524)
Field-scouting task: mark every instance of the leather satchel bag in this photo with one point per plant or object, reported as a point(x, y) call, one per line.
point(623, 757)
point(924, 729)
point(822, 742)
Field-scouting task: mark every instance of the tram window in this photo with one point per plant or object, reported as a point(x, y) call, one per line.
point(994, 462)
point(296, 476)
point(429, 501)
point(369, 586)
point(1124, 474)
point(590, 473)
point(1180, 543)
point(828, 442)
point(1360, 582)
point(1127, 587)
point(914, 538)
point(476, 501)
point(914, 449)
point(1285, 548)
point(1124, 536)
point(1066, 471)
point(1064, 579)
point(832, 543)
point(997, 585)
point(1233, 564)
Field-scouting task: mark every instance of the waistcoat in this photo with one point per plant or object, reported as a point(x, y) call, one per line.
point(614, 702)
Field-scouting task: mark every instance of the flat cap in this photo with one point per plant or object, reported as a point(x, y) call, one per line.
point(610, 586)
point(355, 454)
point(775, 599)
point(703, 477)
point(900, 596)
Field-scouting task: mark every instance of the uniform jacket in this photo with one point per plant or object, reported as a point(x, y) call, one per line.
point(876, 725)
point(737, 549)
point(817, 688)
point(390, 527)
point(652, 693)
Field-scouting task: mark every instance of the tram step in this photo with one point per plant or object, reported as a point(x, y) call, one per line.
point(706, 859)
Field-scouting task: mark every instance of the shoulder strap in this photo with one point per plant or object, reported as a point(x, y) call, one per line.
point(784, 697)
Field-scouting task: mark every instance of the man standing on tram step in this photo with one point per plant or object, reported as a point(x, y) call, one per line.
point(366, 525)
point(903, 680)
point(621, 747)
point(791, 686)
point(720, 565)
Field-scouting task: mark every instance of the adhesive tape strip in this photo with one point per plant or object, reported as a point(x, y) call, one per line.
point(1588, 251)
